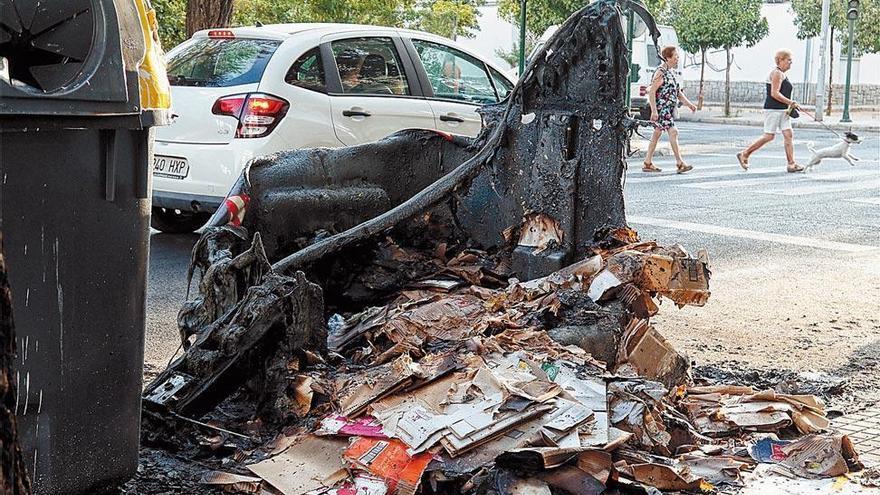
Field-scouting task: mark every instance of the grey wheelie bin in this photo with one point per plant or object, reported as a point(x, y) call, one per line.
point(75, 152)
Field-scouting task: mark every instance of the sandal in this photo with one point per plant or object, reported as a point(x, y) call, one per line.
point(649, 167)
point(743, 161)
point(683, 168)
point(794, 167)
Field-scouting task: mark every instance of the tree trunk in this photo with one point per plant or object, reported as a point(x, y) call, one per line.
point(13, 476)
point(702, 76)
point(205, 14)
point(727, 85)
point(830, 78)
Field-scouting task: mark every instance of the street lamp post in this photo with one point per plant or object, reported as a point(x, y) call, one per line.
point(522, 36)
point(630, 30)
point(851, 14)
point(823, 58)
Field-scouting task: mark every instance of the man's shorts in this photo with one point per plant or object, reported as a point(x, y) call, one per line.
point(776, 121)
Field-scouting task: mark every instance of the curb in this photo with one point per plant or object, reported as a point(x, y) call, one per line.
point(855, 126)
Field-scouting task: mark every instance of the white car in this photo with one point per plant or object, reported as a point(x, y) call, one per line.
point(245, 92)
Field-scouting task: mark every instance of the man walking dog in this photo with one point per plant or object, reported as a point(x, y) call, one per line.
point(778, 106)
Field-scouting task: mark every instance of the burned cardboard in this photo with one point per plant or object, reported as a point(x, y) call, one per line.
point(812, 456)
point(722, 411)
point(232, 483)
point(309, 464)
point(648, 354)
point(390, 461)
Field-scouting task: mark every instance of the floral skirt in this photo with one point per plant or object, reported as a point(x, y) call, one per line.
point(665, 117)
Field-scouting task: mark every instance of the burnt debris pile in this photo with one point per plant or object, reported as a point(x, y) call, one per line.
point(442, 315)
point(471, 381)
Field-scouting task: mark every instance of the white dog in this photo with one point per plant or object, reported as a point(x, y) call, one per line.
point(839, 150)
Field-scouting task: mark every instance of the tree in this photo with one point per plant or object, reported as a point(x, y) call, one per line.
point(511, 56)
point(13, 475)
point(205, 14)
point(171, 15)
point(808, 19)
point(541, 14)
point(697, 32)
point(449, 18)
point(395, 13)
point(250, 12)
point(706, 24)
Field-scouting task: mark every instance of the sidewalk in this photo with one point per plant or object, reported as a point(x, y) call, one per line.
point(862, 120)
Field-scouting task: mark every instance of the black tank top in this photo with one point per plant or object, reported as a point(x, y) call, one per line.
point(771, 103)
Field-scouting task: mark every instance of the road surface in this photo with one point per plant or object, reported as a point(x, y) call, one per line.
point(795, 257)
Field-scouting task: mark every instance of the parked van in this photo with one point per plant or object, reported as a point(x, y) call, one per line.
point(644, 55)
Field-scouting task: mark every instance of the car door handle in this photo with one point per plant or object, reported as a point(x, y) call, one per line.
point(451, 118)
point(355, 113)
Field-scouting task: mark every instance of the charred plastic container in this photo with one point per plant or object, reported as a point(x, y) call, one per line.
point(75, 214)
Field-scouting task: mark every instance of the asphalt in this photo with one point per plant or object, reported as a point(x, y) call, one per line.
point(834, 202)
point(795, 257)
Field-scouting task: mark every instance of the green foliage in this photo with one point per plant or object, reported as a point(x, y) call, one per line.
point(171, 16)
point(707, 24)
point(249, 12)
point(808, 18)
point(377, 12)
point(541, 14)
point(449, 18)
point(511, 56)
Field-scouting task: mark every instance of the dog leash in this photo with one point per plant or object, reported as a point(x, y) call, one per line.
point(819, 121)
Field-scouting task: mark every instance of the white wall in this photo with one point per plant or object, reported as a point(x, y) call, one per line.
point(750, 64)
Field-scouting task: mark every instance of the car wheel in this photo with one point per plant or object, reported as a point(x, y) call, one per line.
point(173, 221)
point(645, 113)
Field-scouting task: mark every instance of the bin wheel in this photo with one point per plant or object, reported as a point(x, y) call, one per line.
point(173, 221)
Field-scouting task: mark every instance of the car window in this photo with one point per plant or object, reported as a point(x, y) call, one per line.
point(454, 74)
point(502, 85)
point(214, 62)
point(653, 58)
point(369, 66)
point(308, 72)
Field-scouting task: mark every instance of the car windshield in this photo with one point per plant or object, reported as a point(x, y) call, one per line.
point(220, 62)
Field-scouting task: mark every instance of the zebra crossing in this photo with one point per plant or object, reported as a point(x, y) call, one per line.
point(742, 215)
point(708, 175)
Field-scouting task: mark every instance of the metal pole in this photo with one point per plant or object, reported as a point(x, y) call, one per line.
point(807, 72)
point(823, 60)
point(522, 36)
point(630, 30)
point(849, 50)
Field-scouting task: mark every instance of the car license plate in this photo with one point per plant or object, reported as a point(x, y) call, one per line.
point(171, 167)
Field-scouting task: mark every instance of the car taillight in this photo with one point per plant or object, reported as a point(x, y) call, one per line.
point(643, 90)
point(221, 33)
point(257, 113)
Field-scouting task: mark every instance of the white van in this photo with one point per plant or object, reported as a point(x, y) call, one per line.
point(644, 55)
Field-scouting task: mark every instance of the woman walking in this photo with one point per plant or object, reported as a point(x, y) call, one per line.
point(777, 113)
point(663, 96)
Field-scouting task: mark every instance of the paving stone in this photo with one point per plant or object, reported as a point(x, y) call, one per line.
point(863, 428)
